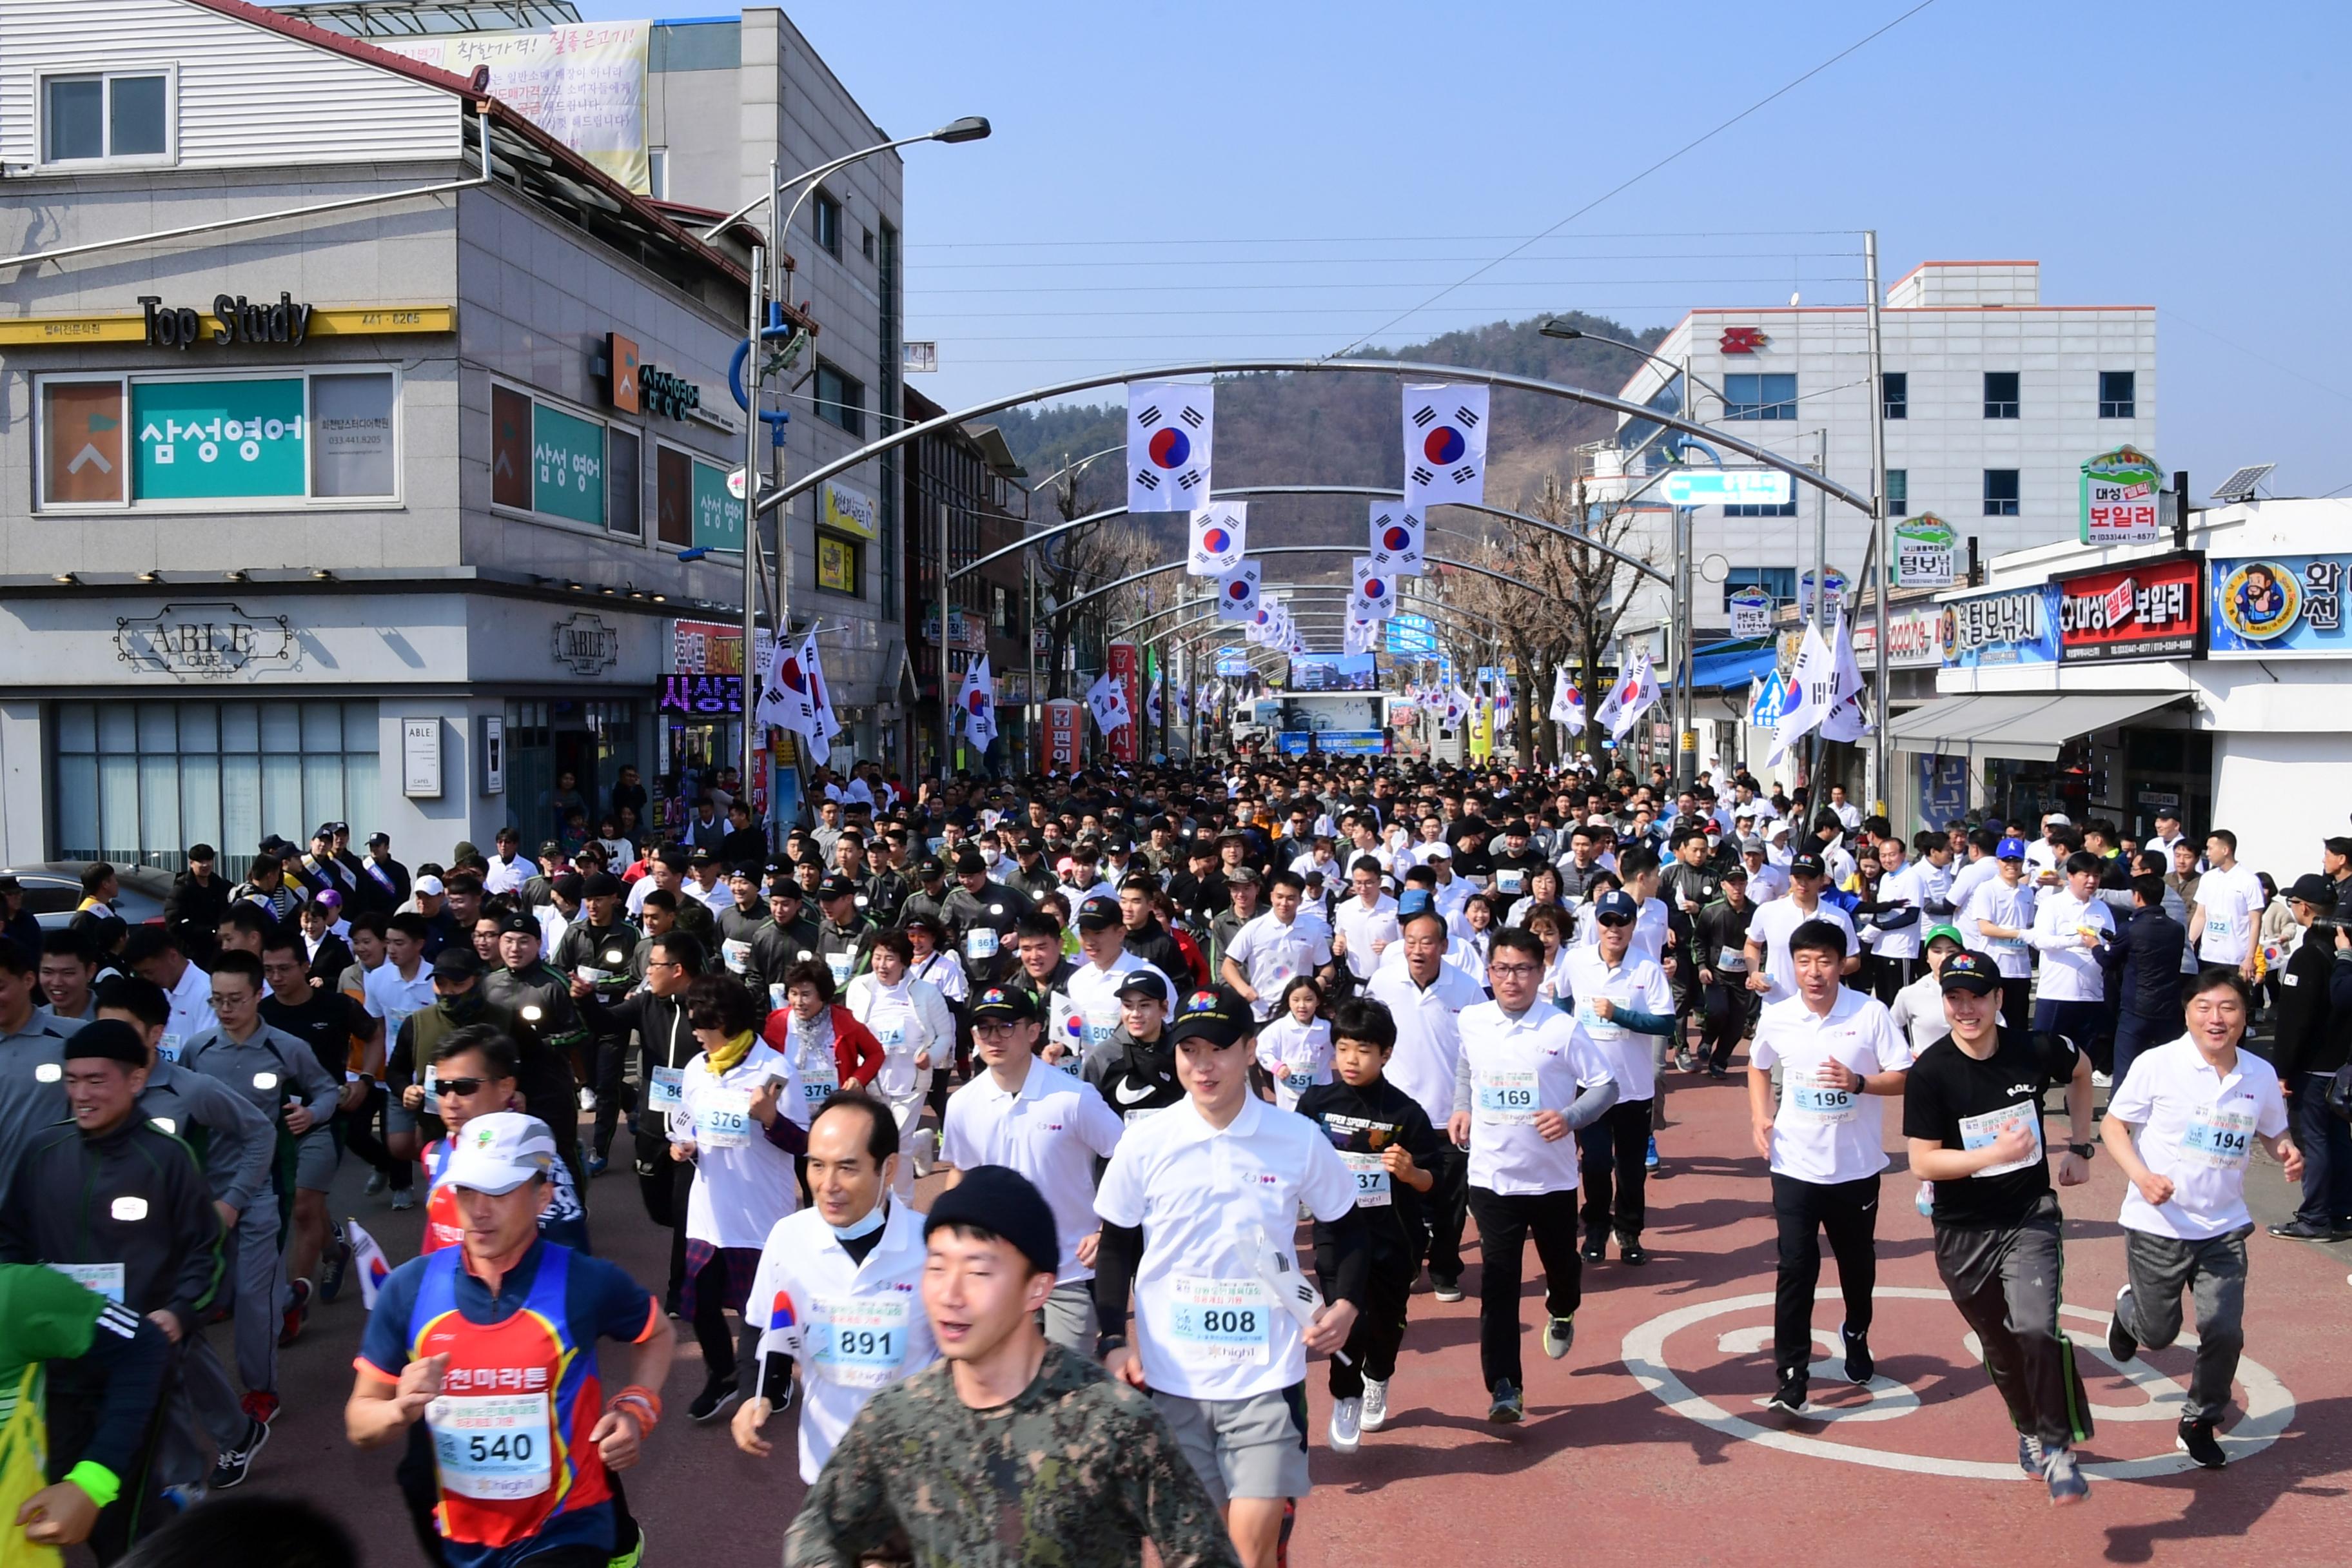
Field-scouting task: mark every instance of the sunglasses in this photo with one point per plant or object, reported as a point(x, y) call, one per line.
point(462, 1087)
point(1615, 921)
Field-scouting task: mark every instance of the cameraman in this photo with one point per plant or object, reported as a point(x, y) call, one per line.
point(2314, 1028)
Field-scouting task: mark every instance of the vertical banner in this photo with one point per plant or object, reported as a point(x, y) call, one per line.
point(1396, 536)
point(1060, 737)
point(1375, 597)
point(584, 83)
point(1444, 446)
point(1237, 592)
point(1121, 663)
point(1220, 536)
point(1170, 428)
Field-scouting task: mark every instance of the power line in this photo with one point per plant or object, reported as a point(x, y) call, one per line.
point(1399, 239)
point(1635, 179)
point(1164, 289)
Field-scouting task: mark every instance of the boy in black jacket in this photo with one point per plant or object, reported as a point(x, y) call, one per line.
point(1386, 1139)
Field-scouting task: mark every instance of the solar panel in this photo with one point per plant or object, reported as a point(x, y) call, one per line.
point(2240, 486)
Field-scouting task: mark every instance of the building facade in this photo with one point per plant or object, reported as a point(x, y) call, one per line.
point(964, 482)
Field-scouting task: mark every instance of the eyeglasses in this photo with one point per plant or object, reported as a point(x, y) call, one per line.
point(662, 963)
point(1515, 971)
point(460, 1087)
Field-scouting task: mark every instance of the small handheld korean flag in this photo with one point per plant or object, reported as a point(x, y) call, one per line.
point(367, 1257)
point(1444, 446)
point(1220, 534)
point(1169, 429)
point(1181, 714)
point(1106, 699)
point(978, 699)
point(1151, 698)
point(1375, 598)
point(1396, 539)
point(1237, 592)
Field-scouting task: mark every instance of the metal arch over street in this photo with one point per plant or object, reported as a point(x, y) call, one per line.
point(1135, 577)
point(1402, 369)
point(1325, 594)
point(1372, 493)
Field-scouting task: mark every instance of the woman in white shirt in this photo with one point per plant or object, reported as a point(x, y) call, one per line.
point(730, 1123)
point(917, 1032)
point(1551, 927)
point(1543, 887)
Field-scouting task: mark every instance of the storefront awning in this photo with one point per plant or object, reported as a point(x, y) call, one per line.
point(1730, 664)
point(2024, 727)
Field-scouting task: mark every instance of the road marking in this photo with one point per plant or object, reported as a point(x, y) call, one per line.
point(2269, 1408)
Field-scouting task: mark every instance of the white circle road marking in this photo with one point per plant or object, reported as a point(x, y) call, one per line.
point(2269, 1408)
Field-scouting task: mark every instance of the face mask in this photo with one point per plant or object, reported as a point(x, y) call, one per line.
point(991, 856)
point(867, 1227)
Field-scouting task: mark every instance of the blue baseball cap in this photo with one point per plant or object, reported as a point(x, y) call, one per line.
point(1613, 906)
point(2009, 849)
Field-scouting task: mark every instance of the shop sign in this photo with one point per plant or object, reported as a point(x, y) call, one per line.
point(567, 466)
point(702, 694)
point(707, 648)
point(1924, 552)
point(966, 633)
point(586, 645)
point(202, 640)
point(1119, 659)
point(718, 513)
point(1060, 735)
point(234, 320)
point(2120, 497)
point(201, 440)
point(1232, 663)
point(2278, 604)
point(671, 396)
point(847, 510)
point(420, 758)
point(2149, 609)
point(1741, 340)
point(622, 364)
point(2019, 625)
point(1751, 613)
point(1837, 587)
point(1913, 639)
point(1943, 790)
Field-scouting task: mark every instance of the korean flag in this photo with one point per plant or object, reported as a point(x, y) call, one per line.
point(1444, 446)
point(1220, 534)
point(1375, 598)
point(1363, 636)
point(1169, 431)
point(1396, 539)
point(1237, 592)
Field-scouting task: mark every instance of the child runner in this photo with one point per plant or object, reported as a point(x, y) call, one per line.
point(1295, 1045)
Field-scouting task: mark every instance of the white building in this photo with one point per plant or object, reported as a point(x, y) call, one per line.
point(1993, 400)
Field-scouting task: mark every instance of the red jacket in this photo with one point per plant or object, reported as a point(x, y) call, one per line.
point(857, 1054)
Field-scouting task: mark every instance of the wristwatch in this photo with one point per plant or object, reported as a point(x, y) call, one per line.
point(2082, 1151)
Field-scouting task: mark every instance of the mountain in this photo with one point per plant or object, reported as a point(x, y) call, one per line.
point(1289, 429)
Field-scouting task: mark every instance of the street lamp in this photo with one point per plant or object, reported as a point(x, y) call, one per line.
point(971, 128)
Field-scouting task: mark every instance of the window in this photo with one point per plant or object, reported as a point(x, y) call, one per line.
point(825, 219)
point(1780, 581)
point(1759, 397)
point(865, 245)
point(1000, 609)
point(1898, 492)
point(840, 563)
point(2001, 395)
point(186, 443)
point(624, 508)
point(547, 460)
point(2000, 492)
point(140, 782)
point(1894, 394)
point(2116, 395)
point(125, 115)
point(658, 173)
point(673, 497)
point(692, 505)
point(1786, 509)
point(840, 401)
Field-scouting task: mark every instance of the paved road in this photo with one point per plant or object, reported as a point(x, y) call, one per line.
point(1649, 1443)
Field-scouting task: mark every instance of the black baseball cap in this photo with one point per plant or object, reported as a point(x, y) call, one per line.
point(600, 885)
point(836, 886)
point(2315, 889)
point(1219, 1016)
point(1098, 913)
point(1971, 971)
point(930, 869)
point(1006, 1002)
point(1807, 865)
point(458, 960)
point(1144, 982)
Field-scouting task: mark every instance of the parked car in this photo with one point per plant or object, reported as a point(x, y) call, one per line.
point(53, 891)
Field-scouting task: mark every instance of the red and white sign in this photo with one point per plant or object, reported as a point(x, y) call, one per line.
point(1742, 339)
point(2149, 609)
point(1062, 736)
point(1914, 639)
point(1120, 661)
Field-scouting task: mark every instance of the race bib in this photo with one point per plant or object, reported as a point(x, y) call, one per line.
point(890, 1040)
point(1598, 1028)
point(980, 941)
point(1509, 880)
point(1507, 1097)
point(1372, 1190)
point(1100, 1026)
point(723, 1119)
point(1219, 1322)
point(840, 963)
point(2217, 1140)
point(169, 1049)
point(738, 953)
point(1810, 1096)
point(668, 1091)
point(1731, 959)
point(857, 1341)
point(1072, 1062)
point(1297, 1077)
point(819, 1081)
point(103, 1279)
point(2005, 943)
point(1978, 1132)
point(495, 1447)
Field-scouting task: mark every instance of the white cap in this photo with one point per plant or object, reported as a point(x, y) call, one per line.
point(498, 1152)
point(1437, 850)
point(430, 887)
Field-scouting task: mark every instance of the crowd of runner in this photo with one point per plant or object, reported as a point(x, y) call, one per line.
point(1218, 1063)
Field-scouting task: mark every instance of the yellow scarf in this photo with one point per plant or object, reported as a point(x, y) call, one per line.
point(727, 1058)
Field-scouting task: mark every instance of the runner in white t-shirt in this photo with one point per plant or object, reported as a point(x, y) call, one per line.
point(1769, 968)
point(2229, 905)
point(1085, 1010)
point(1276, 947)
point(1839, 1054)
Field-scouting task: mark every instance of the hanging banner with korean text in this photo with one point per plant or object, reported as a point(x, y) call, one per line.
point(584, 83)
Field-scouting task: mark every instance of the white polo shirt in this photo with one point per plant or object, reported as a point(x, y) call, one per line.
point(1429, 1035)
point(2197, 1126)
point(1515, 1067)
point(389, 998)
point(191, 1011)
point(1050, 1129)
point(1363, 926)
point(1269, 953)
point(2002, 905)
point(1906, 884)
point(2070, 971)
point(861, 1326)
point(1637, 982)
point(1208, 1327)
point(1091, 1013)
point(1964, 881)
point(2232, 902)
point(1820, 1134)
point(1774, 923)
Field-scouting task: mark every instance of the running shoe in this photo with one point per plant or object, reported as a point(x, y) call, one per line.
point(1558, 1335)
point(236, 1461)
point(1347, 1425)
point(1596, 1250)
point(184, 1497)
point(1683, 1062)
point(598, 1164)
point(716, 1396)
point(1650, 1158)
point(2196, 1439)
point(377, 1180)
point(290, 1327)
point(334, 1265)
point(2067, 1486)
point(1632, 1251)
point(1374, 1413)
point(587, 1100)
point(1445, 1290)
point(634, 1556)
point(1860, 1364)
point(1789, 1398)
point(1506, 1408)
point(2296, 1230)
point(2029, 1455)
point(403, 1197)
point(2122, 1344)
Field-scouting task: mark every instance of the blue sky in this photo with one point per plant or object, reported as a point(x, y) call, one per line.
point(1284, 179)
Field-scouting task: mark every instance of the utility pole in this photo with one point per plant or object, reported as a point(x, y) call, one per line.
point(1820, 611)
point(1884, 570)
point(752, 429)
point(1685, 736)
point(947, 697)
